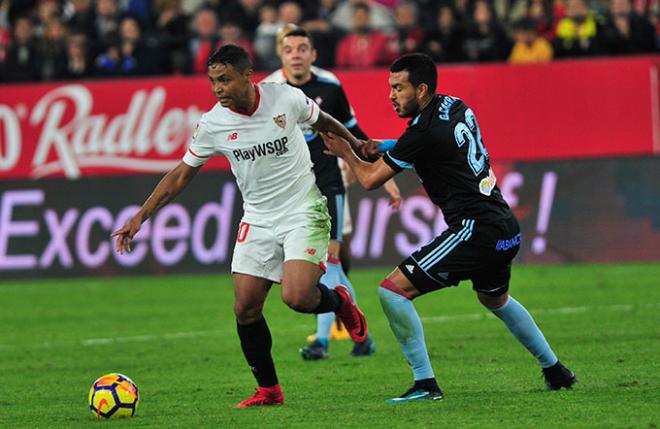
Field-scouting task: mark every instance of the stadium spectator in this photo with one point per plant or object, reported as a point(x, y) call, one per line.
point(47, 10)
point(626, 32)
point(190, 7)
point(244, 13)
point(486, 40)
point(205, 38)
point(264, 39)
point(109, 62)
point(326, 9)
point(427, 12)
point(22, 55)
point(171, 28)
point(445, 42)
point(290, 12)
point(483, 235)
point(409, 35)
point(132, 54)
point(5, 33)
point(140, 9)
point(380, 18)
point(79, 17)
point(52, 51)
point(77, 64)
point(231, 34)
point(462, 11)
point(326, 37)
point(529, 47)
point(5, 41)
point(364, 47)
point(107, 21)
point(540, 11)
point(579, 33)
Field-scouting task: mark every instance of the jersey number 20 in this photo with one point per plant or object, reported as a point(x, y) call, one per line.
point(469, 131)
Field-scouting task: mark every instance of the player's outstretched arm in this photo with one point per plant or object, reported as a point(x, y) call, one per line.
point(370, 175)
point(327, 124)
point(169, 187)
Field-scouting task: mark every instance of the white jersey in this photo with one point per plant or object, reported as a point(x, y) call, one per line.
point(279, 76)
point(265, 147)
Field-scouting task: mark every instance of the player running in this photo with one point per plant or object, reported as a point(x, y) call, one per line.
point(297, 53)
point(444, 145)
point(284, 232)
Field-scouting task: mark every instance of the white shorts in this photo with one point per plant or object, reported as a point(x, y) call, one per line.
point(261, 250)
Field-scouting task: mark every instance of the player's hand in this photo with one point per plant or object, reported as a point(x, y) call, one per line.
point(336, 146)
point(370, 147)
point(393, 191)
point(125, 235)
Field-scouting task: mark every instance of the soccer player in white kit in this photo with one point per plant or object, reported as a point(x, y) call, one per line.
point(284, 232)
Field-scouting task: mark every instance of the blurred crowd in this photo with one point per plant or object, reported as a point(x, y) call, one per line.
point(46, 40)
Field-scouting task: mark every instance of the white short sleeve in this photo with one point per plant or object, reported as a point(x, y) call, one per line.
point(308, 110)
point(201, 147)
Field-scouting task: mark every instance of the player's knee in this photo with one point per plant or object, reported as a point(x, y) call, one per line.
point(492, 302)
point(388, 286)
point(298, 300)
point(247, 313)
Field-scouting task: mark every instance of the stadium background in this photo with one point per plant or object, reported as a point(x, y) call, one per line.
point(575, 143)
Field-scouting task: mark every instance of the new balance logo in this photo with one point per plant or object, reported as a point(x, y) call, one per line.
point(410, 268)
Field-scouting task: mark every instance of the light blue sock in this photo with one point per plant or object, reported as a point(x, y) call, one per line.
point(522, 326)
point(407, 329)
point(330, 279)
point(343, 280)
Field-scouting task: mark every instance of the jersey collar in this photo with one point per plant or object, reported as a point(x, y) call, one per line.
point(417, 117)
point(257, 99)
point(286, 78)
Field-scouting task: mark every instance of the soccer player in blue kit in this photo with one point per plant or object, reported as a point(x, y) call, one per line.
point(443, 144)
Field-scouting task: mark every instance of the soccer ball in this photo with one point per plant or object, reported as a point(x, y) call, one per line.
point(113, 395)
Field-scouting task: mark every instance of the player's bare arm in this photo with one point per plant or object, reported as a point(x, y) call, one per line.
point(327, 124)
point(167, 189)
point(370, 175)
point(394, 193)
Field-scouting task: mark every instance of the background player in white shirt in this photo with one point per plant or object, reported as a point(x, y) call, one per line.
point(284, 232)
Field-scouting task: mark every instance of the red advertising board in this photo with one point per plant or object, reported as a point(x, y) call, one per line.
point(560, 110)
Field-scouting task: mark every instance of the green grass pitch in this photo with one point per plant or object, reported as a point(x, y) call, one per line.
point(175, 337)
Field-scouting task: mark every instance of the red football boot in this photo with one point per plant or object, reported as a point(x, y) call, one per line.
point(351, 316)
point(264, 396)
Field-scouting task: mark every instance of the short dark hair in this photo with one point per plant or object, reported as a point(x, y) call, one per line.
point(231, 55)
point(299, 32)
point(362, 6)
point(420, 68)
